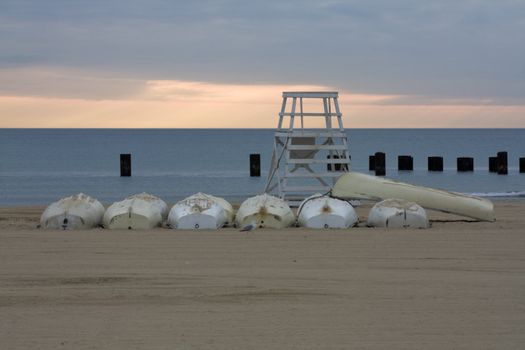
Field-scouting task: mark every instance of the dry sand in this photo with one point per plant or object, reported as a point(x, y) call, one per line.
point(457, 285)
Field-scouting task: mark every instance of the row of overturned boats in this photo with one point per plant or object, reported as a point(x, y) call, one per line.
point(197, 212)
point(398, 205)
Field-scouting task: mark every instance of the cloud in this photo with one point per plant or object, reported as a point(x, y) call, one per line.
point(86, 85)
point(224, 63)
point(465, 49)
point(67, 84)
point(203, 92)
point(54, 98)
point(38, 112)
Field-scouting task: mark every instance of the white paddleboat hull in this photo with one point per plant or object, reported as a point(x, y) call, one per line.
point(201, 212)
point(360, 186)
point(264, 211)
point(73, 213)
point(320, 211)
point(139, 212)
point(397, 213)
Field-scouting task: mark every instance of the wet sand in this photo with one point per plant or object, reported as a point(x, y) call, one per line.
point(459, 284)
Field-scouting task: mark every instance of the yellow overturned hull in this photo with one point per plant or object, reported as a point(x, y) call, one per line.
point(361, 186)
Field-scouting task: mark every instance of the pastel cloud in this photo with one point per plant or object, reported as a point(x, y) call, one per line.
point(101, 101)
point(66, 83)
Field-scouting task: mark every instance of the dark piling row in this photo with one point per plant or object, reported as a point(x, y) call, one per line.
point(377, 163)
point(497, 164)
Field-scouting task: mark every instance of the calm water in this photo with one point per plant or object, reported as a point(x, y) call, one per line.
point(40, 166)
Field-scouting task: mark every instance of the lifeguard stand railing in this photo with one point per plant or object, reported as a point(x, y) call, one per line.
point(307, 160)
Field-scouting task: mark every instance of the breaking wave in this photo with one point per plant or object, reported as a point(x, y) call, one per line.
point(510, 194)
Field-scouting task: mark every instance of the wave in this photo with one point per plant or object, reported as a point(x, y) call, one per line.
point(56, 174)
point(138, 173)
point(510, 194)
point(194, 173)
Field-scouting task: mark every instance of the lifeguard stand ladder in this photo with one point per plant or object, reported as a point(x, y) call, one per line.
point(306, 161)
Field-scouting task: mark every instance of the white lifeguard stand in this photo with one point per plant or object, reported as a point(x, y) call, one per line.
point(306, 160)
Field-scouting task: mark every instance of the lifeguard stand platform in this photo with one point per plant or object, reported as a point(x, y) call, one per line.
point(307, 160)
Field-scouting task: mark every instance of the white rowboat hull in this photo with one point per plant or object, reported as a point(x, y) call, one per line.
point(360, 186)
point(324, 212)
point(200, 212)
point(397, 213)
point(139, 212)
point(182, 217)
point(264, 211)
point(73, 213)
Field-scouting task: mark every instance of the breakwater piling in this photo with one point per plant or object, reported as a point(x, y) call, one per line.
point(125, 165)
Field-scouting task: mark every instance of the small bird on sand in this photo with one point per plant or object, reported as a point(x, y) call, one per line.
point(250, 227)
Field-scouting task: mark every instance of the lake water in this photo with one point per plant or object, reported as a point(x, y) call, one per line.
point(38, 166)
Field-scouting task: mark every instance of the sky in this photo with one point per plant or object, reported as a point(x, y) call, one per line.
point(225, 63)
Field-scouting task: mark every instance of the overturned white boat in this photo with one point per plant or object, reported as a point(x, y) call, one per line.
point(397, 213)
point(73, 213)
point(201, 211)
point(264, 211)
point(320, 211)
point(141, 211)
point(360, 186)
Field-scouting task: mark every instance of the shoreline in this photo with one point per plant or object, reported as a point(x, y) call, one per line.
point(27, 217)
point(515, 196)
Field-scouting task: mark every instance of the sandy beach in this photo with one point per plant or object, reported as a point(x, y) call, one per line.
point(459, 284)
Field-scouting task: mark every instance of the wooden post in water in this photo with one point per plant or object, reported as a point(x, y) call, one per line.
point(380, 166)
point(371, 163)
point(502, 163)
point(405, 163)
point(493, 164)
point(435, 163)
point(465, 164)
point(522, 165)
point(125, 164)
point(255, 165)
